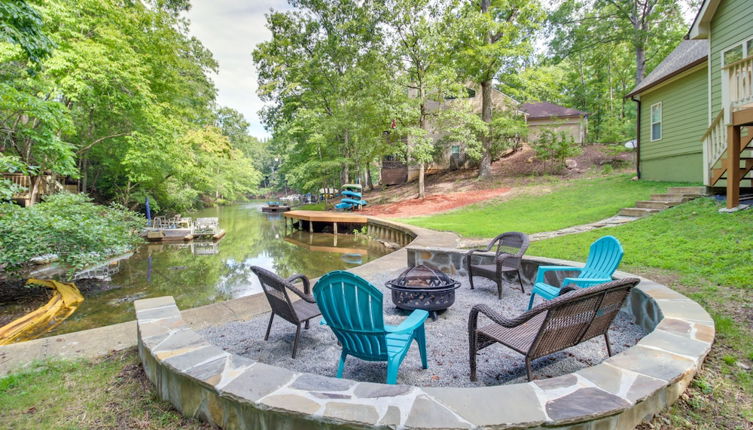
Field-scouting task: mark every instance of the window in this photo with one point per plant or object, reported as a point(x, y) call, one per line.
point(455, 149)
point(737, 52)
point(733, 54)
point(656, 121)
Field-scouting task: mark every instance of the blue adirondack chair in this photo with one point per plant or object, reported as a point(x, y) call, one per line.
point(603, 258)
point(352, 308)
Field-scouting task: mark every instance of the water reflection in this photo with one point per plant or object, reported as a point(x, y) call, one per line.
point(199, 273)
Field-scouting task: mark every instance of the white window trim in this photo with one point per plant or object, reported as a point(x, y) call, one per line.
point(651, 122)
point(744, 44)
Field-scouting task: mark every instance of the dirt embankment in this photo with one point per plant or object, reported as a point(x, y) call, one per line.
point(453, 189)
point(433, 204)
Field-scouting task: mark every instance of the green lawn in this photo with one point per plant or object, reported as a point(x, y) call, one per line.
point(108, 393)
point(709, 257)
point(569, 203)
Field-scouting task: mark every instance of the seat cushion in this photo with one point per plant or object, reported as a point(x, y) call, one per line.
point(518, 338)
point(306, 310)
point(546, 291)
point(490, 269)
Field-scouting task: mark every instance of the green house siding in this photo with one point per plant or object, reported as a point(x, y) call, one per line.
point(732, 22)
point(678, 155)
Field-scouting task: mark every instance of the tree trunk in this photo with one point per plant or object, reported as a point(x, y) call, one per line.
point(345, 176)
point(422, 166)
point(84, 173)
point(34, 191)
point(485, 168)
point(369, 182)
point(421, 188)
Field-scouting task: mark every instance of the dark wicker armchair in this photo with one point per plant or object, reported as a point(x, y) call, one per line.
point(579, 314)
point(510, 249)
point(276, 290)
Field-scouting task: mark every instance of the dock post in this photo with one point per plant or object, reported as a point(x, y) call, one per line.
point(335, 227)
point(311, 226)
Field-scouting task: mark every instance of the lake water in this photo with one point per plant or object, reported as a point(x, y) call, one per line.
point(199, 273)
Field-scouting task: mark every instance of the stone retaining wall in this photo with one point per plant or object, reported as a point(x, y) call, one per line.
point(390, 232)
point(202, 380)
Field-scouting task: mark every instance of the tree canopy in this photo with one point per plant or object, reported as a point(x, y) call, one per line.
point(121, 100)
point(348, 82)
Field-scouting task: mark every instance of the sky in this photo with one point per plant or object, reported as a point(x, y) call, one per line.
point(231, 29)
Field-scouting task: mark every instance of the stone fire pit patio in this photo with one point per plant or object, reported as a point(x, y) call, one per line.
point(203, 380)
point(232, 391)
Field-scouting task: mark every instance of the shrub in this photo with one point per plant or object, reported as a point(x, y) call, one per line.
point(555, 146)
point(70, 226)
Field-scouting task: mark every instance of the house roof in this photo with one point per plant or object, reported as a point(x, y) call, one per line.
point(700, 27)
point(549, 110)
point(688, 54)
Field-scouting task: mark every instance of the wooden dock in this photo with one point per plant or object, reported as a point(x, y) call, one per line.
point(320, 220)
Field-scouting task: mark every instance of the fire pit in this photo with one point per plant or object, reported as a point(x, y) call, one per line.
point(422, 287)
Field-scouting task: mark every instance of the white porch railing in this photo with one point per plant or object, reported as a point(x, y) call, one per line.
point(739, 82)
point(715, 144)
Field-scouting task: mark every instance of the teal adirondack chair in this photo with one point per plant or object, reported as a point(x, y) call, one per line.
point(352, 308)
point(603, 258)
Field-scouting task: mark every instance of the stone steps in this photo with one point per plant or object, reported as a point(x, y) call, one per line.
point(678, 198)
point(656, 204)
point(659, 202)
point(637, 212)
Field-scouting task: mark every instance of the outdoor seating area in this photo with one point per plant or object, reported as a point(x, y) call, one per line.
point(357, 322)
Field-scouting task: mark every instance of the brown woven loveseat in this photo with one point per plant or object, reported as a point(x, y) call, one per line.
point(579, 314)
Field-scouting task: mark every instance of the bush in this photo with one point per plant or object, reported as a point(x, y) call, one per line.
point(70, 226)
point(555, 146)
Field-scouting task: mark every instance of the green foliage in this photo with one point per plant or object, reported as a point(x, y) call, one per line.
point(560, 205)
point(598, 51)
point(21, 24)
point(70, 226)
point(555, 146)
point(116, 100)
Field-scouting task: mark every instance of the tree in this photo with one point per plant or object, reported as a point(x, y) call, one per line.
point(322, 62)
point(421, 46)
point(494, 38)
point(644, 25)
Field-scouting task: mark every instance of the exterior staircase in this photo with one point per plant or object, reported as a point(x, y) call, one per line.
point(673, 197)
point(728, 142)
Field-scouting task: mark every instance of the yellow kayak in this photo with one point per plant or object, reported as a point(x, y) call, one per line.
point(65, 300)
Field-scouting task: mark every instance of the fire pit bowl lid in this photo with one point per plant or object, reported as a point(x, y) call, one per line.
point(422, 277)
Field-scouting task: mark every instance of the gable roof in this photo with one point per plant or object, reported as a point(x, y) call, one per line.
point(688, 54)
point(549, 110)
point(702, 21)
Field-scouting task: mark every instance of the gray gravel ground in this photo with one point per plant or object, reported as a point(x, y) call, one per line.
point(447, 343)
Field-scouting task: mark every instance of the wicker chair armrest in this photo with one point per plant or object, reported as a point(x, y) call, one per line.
point(499, 319)
point(306, 293)
point(585, 282)
point(414, 320)
point(542, 270)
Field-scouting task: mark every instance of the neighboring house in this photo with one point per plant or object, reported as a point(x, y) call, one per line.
point(543, 115)
point(693, 107)
point(451, 156)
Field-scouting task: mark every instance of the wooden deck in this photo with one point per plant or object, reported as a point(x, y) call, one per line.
point(313, 220)
point(325, 216)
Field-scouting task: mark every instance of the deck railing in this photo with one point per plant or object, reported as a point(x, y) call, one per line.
point(715, 143)
point(740, 82)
